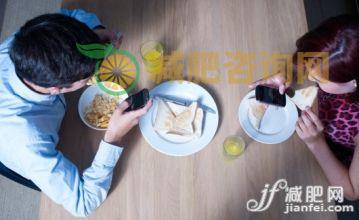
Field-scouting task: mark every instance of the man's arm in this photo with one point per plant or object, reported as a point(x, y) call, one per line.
point(90, 19)
point(60, 179)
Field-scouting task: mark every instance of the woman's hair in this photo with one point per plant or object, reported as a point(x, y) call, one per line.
point(44, 51)
point(339, 37)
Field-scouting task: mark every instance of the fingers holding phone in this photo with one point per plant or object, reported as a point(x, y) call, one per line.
point(138, 100)
point(270, 96)
point(277, 81)
point(124, 119)
point(140, 112)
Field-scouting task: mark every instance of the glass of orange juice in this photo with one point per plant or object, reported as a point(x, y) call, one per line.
point(152, 56)
point(233, 146)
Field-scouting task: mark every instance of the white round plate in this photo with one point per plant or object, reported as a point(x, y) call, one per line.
point(278, 123)
point(86, 99)
point(175, 145)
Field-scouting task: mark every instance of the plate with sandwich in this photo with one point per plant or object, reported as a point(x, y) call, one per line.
point(271, 124)
point(268, 124)
point(183, 120)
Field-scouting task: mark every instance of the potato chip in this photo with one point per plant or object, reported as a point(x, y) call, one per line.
point(99, 112)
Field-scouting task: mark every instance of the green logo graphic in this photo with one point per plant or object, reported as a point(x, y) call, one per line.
point(117, 71)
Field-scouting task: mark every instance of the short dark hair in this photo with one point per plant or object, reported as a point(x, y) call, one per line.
point(339, 36)
point(44, 51)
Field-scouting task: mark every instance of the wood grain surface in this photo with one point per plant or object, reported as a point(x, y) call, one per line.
point(149, 185)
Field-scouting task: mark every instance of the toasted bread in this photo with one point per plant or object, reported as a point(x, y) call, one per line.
point(305, 97)
point(256, 112)
point(197, 123)
point(164, 118)
point(183, 121)
point(180, 120)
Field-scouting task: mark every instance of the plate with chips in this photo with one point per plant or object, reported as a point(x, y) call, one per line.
point(96, 107)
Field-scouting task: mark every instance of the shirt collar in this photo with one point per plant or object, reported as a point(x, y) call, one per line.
point(25, 92)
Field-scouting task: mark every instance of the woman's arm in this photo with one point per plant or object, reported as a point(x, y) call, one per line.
point(309, 129)
point(335, 171)
point(354, 167)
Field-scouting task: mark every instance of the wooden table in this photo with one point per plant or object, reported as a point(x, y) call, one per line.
point(149, 185)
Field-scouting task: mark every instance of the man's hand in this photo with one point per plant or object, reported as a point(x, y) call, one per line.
point(121, 122)
point(309, 128)
point(109, 36)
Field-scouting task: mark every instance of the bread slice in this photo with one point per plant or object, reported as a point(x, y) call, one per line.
point(164, 118)
point(175, 108)
point(256, 112)
point(197, 123)
point(183, 121)
point(305, 97)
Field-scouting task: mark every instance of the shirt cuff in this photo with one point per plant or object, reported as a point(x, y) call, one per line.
point(108, 154)
point(90, 19)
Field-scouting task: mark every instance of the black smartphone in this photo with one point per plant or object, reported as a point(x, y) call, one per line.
point(138, 100)
point(270, 96)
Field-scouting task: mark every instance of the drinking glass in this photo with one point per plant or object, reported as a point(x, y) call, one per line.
point(152, 56)
point(233, 146)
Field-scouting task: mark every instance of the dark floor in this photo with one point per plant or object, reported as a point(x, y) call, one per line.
point(2, 12)
point(14, 196)
point(349, 215)
point(318, 10)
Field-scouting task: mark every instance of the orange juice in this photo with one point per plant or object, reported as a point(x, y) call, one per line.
point(152, 55)
point(234, 146)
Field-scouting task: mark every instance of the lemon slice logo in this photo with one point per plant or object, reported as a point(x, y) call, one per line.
point(117, 71)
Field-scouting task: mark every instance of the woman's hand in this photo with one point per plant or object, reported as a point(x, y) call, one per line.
point(277, 80)
point(309, 128)
point(108, 35)
point(122, 122)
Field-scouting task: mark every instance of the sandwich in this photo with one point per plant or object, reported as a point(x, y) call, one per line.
point(177, 119)
point(256, 112)
point(164, 117)
point(176, 109)
point(305, 97)
point(197, 123)
point(182, 124)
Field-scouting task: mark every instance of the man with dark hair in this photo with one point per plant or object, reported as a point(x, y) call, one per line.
point(37, 65)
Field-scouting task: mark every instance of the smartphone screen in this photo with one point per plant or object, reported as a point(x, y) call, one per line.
point(270, 96)
point(138, 100)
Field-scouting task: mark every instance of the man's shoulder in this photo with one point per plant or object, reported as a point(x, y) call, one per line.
point(4, 46)
point(20, 129)
point(6, 69)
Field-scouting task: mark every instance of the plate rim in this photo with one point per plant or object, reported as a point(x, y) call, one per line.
point(205, 143)
point(99, 91)
point(245, 98)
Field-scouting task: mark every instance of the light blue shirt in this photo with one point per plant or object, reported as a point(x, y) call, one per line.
point(29, 125)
